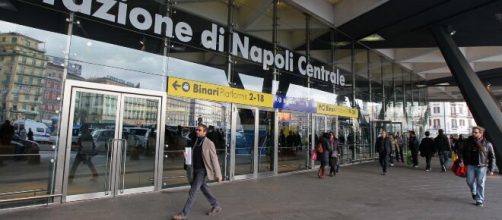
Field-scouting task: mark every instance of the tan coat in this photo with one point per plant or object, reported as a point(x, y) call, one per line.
point(210, 158)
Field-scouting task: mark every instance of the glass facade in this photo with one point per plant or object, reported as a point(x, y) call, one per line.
point(269, 47)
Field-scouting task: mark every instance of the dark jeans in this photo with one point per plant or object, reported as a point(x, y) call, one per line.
point(414, 156)
point(428, 161)
point(384, 161)
point(199, 181)
point(443, 158)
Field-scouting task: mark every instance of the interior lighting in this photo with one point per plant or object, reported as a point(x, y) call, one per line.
point(5, 4)
point(373, 37)
point(450, 30)
point(443, 84)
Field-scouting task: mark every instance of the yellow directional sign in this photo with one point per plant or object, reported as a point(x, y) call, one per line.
point(328, 109)
point(199, 90)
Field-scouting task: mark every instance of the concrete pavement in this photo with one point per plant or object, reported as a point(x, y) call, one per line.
point(357, 192)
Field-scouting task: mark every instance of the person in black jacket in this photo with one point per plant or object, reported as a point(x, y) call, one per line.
point(413, 147)
point(443, 149)
point(382, 146)
point(477, 155)
point(427, 150)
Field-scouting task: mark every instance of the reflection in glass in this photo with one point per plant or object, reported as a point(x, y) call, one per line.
point(110, 64)
point(245, 141)
point(293, 141)
point(140, 119)
point(266, 142)
point(346, 139)
point(93, 128)
point(30, 91)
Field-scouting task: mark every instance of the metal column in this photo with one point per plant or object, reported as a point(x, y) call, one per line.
point(484, 109)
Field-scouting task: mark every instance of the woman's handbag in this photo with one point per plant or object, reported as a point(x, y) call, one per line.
point(460, 171)
point(313, 155)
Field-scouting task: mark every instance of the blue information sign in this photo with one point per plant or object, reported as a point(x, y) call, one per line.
point(294, 104)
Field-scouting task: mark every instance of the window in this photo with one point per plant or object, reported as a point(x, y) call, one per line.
point(461, 110)
point(462, 123)
point(454, 123)
point(453, 109)
point(436, 110)
point(13, 40)
point(3, 39)
point(437, 123)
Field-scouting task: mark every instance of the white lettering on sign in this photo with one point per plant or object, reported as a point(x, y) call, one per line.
point(117, 11)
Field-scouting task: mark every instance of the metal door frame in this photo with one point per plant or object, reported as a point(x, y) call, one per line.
point(275, 135)
point(255, 173)
point(233, 141)
point(63, 161)
point(157, 142)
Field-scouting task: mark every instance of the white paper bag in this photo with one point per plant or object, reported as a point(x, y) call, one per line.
point(188, 155)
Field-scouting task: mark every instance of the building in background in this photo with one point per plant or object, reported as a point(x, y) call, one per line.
point(452, 117)
point(22, 73)
point(111, 80)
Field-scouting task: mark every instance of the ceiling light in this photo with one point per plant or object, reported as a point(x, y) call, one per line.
point(443, 84)
point(373, 37)
point(450, 30)
point(6, 4)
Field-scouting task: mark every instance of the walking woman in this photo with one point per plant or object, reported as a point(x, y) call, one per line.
point(335, 151)
point(322, 149)
point(394, 150)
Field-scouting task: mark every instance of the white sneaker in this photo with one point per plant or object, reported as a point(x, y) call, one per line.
point(391, 164)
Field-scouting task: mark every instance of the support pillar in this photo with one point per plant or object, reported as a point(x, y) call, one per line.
point(484, 109)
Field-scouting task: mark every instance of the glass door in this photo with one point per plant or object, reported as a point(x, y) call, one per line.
point(93, 120)
point(266, 141)
point(139, 122)
point(245, 137)
point(113, 143)
point(253, 142)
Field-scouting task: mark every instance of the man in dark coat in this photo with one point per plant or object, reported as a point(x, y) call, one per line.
point(427, 150)
point(477, 155)
point(413, 147)
point(443, 148)
point(383, 147)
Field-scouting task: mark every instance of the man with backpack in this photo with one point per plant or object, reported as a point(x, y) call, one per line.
point(427, 150)
point(443, 148)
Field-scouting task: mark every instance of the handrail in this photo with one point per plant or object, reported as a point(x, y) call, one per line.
point(30, 198)
point(22, 192)
point(15, 155)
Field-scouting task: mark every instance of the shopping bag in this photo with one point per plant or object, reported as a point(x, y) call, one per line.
point(454, 156)
point(460, 171)
point(313, 155)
